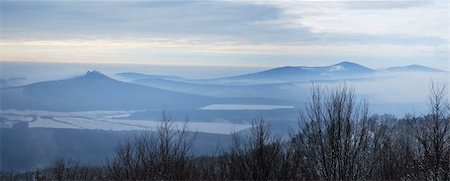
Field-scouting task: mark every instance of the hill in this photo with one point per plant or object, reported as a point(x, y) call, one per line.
point(341, 70)
point(413, 68)
point(95, 91)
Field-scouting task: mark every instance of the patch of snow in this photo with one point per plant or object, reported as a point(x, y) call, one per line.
point(48, 123)
point(336, 68)
point(244, 107)
point(107, 120)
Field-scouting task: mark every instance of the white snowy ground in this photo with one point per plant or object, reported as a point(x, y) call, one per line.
point(104, 120)
point(244, 107)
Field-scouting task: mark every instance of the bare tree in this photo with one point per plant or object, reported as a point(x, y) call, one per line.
point(432, 133)
point(391, 153)
point(164, 154)
point(257, 155)
point(334, 141)
point(69, 169)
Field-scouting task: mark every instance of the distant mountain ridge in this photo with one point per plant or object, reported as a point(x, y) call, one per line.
point(96, 91)
point(413, 68)
point(342, 70)
point(302, 73)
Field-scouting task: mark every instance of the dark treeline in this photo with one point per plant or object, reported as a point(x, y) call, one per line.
point(336, 139)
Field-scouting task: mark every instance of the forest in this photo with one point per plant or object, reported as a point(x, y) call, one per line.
point(336, 139)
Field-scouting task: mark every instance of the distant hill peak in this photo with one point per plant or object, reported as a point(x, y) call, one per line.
point(413, 68)
point(346, 64)
point(419, 66)
point(339, 66)
point(95, 74)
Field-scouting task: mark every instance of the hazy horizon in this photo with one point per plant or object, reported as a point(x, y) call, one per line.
point(186, 71)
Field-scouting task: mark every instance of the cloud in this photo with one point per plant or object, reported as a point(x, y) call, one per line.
point(406, 19)
point(131, 19)
point(14, 49)
point(260, 22)
point(135, 31)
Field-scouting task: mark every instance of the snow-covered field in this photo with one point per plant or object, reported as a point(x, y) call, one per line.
point(104, 120)
point(244, 107)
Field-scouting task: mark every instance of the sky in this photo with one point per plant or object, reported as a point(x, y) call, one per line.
point(253, 33)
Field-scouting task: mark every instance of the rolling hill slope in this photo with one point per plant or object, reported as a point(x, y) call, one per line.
point(95, 91)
